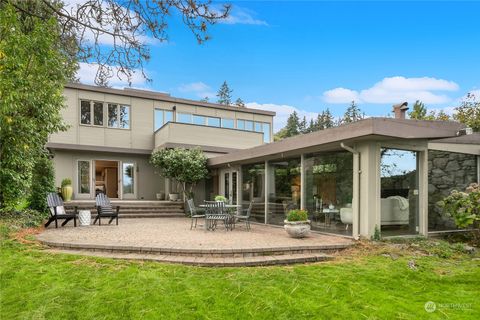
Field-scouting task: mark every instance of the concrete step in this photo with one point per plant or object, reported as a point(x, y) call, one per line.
point(206, 261)
point(152, 215)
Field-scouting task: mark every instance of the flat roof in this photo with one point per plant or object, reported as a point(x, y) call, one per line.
point(329, 139)
point(130, 92)
point(473, 138)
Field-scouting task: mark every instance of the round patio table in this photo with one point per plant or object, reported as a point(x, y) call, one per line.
point(228, 220)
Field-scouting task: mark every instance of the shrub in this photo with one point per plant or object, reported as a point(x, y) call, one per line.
point(297, 215)
point(464, 207)
point(66, 182)
point(43, 181)
point(221, 198)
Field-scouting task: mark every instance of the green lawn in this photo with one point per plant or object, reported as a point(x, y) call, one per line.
point(39, 285)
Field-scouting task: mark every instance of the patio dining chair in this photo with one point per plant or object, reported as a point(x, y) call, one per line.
point(216, 211)
point(57, 211)
point(245, 217)
point(105, 209)
point(195, 214)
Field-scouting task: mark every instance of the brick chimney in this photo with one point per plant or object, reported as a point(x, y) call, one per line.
point(400, 110)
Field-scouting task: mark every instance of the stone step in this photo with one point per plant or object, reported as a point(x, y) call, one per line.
point(151, 215)
point(205, 261)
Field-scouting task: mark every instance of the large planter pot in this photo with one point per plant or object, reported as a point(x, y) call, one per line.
point(67, 193)
point(173, 196)
point(161, 196)
point(297, 229)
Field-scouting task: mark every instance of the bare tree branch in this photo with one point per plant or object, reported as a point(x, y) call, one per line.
point(116, 34)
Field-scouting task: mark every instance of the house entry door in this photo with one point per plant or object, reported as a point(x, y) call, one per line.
point(229, 184)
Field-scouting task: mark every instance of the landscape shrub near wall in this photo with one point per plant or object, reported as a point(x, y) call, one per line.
point(447, 171)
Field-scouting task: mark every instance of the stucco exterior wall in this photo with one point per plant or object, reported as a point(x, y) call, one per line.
point(148, 183)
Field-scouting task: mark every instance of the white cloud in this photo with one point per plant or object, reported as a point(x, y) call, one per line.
point(240, 15)
point(396, 89)
point(87, 72)
point(200, 89)
point(283, 112)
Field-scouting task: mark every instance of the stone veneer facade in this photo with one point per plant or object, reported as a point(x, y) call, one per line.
point(447, 171)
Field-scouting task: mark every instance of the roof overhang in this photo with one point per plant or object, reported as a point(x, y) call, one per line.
point(380, 129)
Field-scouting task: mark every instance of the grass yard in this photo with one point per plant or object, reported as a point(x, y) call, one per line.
point(368, 282)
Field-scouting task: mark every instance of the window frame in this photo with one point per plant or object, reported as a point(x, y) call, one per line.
point(222, 120)
point(105, 115)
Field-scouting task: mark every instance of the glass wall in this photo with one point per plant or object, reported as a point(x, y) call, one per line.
point(329, 190)
point(399, 192)
point(83, 177)
point(447, 171)
point(283, 189)
point(128, 172)
point(253, 189)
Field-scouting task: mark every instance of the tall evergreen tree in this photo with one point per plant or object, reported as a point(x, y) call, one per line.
point(225, 94)
point(302, 125)
point(419, 111)
point(352, 114)
point(291, 128)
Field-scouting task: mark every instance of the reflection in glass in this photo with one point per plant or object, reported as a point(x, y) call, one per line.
point(184, 117)
point(253, 189)
point(258, 127)
point(248, 125)
point(284, 188)
point(85, 112)
point(328, 191)
point(227, 123)
point(266, 132)
point(234, 187)
point(399, 192)
point(124, 117)
point(158, 119)
point(200, 120)
point(241, 124)
point(168, 116)
point(112, 115)
point(213, 122)
point(84, 177)
point(98, 113)
point(127, 178)
point(226, 183)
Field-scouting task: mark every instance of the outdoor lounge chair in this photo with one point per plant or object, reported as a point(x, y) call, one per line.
point(57, 211)
point(245, 217)
point(194, 213)
point(105, 209)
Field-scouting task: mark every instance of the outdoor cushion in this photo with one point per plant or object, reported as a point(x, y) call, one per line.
point(60, 210)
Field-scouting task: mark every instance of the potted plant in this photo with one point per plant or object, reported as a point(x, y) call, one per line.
point(67, 189)
point(297, 224)
point(220, 198)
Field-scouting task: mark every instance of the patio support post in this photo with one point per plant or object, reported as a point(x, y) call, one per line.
point(266, 190)
point(423, 192)
point(302, 182)
point(355, 191)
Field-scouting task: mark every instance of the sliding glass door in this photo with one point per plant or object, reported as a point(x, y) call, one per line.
point(399, 192)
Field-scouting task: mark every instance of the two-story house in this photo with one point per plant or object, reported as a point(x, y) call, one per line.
point(113, 132)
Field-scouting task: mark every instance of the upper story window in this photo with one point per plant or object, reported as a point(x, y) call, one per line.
point(118, 116)
point(93, 113)
point(213, 122)
point(162, 117)
point(227, 123)
point(255, 126)
point(184, 117)
point(200, 120)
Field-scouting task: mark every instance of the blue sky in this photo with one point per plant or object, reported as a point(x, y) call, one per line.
point(307, 56)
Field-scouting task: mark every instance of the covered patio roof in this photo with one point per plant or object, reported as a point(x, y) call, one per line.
point(329, 139)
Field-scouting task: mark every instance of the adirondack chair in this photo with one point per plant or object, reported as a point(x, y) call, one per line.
point(105, 209)
point(57, 211)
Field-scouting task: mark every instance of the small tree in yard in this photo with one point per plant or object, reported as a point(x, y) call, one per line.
point(186, 166)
